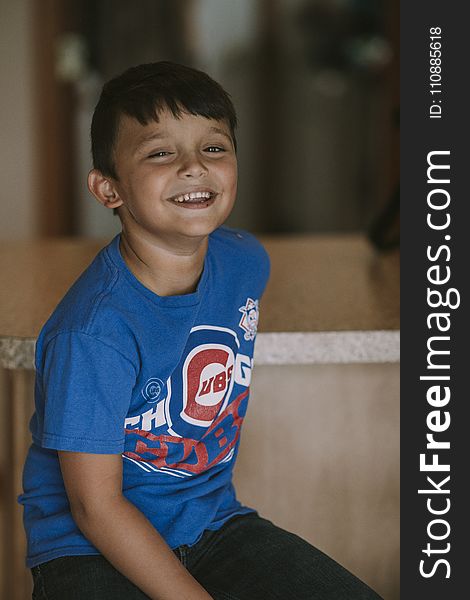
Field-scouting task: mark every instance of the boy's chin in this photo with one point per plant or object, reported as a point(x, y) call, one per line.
point(200, 230)
point(203, 227)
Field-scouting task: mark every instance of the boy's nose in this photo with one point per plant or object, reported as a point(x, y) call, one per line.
point(192, 166)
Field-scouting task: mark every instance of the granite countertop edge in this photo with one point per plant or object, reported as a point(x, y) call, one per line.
point(274, 348)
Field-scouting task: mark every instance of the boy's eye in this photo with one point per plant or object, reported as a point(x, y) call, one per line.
point(159, 154)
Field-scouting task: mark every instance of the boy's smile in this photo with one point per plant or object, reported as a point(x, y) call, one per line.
point(176, 178)
point(195, 199)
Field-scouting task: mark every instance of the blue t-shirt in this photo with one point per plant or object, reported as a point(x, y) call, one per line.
point(162, 380)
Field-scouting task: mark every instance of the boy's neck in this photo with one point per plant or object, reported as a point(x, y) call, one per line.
point(167, 270)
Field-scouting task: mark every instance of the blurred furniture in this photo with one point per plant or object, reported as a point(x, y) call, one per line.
point(324, 407)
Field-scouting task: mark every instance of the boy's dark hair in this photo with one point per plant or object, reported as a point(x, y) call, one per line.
point(142, 92)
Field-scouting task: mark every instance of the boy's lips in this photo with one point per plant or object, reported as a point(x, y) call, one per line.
point(196, 198)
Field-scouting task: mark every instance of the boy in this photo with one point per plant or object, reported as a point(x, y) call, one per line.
point(143, 373)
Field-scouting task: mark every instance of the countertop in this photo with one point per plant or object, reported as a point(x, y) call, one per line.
point(330, 298)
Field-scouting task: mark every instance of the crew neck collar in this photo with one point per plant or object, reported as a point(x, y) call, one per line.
point(191, 299)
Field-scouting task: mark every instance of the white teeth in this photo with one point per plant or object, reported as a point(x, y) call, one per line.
point(192, 196)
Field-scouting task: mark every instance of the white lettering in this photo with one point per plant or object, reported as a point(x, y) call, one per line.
point(243, 370)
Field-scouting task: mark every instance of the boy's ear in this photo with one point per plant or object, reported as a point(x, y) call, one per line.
point(103, 189)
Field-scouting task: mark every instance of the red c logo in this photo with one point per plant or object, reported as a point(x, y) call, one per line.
point(207, 383)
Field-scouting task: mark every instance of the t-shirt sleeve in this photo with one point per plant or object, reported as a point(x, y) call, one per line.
point(87, 387)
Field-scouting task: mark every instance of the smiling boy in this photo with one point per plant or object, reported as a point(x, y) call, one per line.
point(143, 374)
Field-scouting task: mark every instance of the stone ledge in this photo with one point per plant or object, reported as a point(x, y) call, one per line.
point(271, 348)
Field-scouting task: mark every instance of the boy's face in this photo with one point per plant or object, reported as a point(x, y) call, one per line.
point(160, 164)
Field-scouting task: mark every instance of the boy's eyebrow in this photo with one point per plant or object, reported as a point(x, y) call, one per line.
point(158, 135)
point(222, 132)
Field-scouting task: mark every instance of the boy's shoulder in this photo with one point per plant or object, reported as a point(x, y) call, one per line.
point(239, 244)
point(85, 299)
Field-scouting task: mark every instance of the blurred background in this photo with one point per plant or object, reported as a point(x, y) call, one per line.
point(315, 84)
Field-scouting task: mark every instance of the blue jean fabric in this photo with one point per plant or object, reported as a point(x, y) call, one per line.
point(249, 558)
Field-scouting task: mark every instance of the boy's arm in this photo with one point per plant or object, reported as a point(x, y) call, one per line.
point(120, 531)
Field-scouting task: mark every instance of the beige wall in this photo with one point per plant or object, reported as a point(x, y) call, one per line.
point(319, 456)
point(16, 120)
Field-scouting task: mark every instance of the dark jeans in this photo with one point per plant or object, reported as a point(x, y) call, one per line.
point(249, 558)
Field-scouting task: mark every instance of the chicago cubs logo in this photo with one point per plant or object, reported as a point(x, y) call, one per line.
point(207, 383)
point(249, 320)
point(201, 385)
point(196, 419)
point(152, 390)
